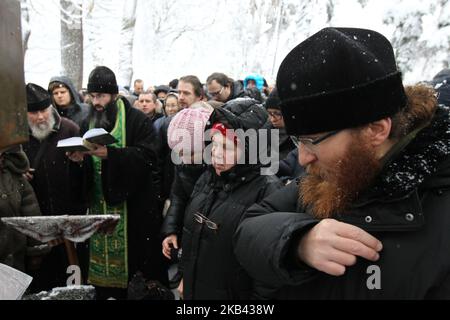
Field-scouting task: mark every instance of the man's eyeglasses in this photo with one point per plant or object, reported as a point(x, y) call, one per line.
point(200, 218)
point(275, 114)
point(309, 142)
point(217, 93)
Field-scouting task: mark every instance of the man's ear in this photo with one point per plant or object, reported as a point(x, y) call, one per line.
point(378, 131)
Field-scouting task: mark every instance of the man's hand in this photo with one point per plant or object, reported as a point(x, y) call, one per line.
point(99, 151)
point(167, 244)
point(76, 156)
point(331, 246)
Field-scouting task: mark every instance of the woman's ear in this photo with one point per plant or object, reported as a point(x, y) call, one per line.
point(378, 131)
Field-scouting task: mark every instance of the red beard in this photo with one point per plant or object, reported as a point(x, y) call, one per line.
point(333, 192)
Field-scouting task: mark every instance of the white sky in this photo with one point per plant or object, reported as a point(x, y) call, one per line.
point(205, 51)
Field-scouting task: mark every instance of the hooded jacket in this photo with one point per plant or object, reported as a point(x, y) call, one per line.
point(210, 269)
point(77, 111)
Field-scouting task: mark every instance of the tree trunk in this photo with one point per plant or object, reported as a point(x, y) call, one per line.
point(26, 31)
point(126, 40)
point(72, 41)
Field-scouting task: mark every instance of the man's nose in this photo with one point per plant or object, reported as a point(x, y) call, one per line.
point(305, 156)
point(40, 115)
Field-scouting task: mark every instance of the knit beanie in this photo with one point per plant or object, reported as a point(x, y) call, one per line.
point(339, 78)
point(186, 130)
point(102, 80)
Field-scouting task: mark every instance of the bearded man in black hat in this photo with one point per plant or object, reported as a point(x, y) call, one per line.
point(370, 219)
point(122, 180)
point(56, 181)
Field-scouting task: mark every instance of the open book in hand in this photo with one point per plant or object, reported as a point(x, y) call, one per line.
point(86, 142)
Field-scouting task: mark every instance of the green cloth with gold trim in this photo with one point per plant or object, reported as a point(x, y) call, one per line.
point(108, 265)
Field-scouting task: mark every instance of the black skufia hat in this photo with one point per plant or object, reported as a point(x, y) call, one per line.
point(339, 78)
point(37, 98)
point(102, 80)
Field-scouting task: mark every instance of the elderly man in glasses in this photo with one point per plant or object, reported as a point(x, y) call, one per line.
point(371, 217)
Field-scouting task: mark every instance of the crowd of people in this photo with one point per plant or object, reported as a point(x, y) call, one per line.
point(362, 179)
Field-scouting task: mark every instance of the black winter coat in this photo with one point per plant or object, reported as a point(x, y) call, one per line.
point(58, 184)
point(407, 209)
point(128, 175)
point(210, 269)
point(57, 181)
point(237, 91)
point(185, 178)
point(166, 164)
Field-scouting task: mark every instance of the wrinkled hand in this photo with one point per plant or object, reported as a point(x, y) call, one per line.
point(167, 244)
point(99, 151)
point(76, 156)
point(332, 246)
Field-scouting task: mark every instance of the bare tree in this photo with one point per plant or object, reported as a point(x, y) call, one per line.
point(26, 31)
point(127, 40)
point(72, 40)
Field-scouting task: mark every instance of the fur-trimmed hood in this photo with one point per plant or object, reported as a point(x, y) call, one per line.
point(419, 162)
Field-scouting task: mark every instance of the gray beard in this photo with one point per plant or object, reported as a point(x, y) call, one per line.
point(42, 131)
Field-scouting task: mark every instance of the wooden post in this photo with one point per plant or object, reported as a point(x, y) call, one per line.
point(71, 253)
point(13, 107)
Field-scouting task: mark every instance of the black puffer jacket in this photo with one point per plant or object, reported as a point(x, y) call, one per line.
point(210, 269)
point(237, 91)
point(209, 266)
point(185, 178)
point(407, 209)
point(250, 114)
point(76, 112)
